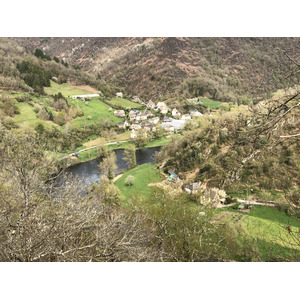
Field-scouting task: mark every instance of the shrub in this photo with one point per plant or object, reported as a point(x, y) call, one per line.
point(235, 206)
point(229, 200)
point(129, 180)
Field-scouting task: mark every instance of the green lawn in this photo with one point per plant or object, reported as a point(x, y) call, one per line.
point(28, 117)
point(268, 226)
point(144, 174)
point(155, 143)
point(66, 89)
point(210, 103)
point(96, 109)
point(124, 103)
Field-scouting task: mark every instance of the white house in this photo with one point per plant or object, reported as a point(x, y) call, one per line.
point(85, 96)
point(169, 128)
point(185, 117)
point(119, 113)
point(154, 120)
point(151, 104)
point(143, 116)
point(164, 110)
point(123, 125)
point(133, 134)
point(119, 94)
point(135, 126)
point(195, 114)
point(176, 113)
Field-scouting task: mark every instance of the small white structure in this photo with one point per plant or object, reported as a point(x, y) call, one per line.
point(133, 134)
point(135, 126)
point(169, 128)
point(119, 113)
point(154, 120)
point(123, 125)
point(195, 114)
point(177, 124)
point(185, 117)
point(136, 99)
point(151, 104)
point(85, 96)
point(164, 110)
point(162, 107)
point(143, 116)
point(119, 94)
point(176, 113)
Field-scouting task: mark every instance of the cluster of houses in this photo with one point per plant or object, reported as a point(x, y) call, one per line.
point(148, 121)
point(208, 195)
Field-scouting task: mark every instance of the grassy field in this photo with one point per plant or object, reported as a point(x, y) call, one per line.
point(96, 109)
point(124, 103)
point(210, 103)
point(268, 226)
point(28, 117)
point(144, 174)
point(66, 89)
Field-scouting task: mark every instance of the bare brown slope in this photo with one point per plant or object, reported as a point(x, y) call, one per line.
point(165, 68)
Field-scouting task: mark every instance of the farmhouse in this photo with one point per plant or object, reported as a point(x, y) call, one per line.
point(162, 107)
point(192, 188)
point(135, 99)
point(135, 126)
point(119, 113)
point(149, 113)
point(143, 116)
point(154, 120)
point(185, 117)
point(176, 113)
point(123, 125)
point(132, 115)
point(133, 134)
point(151, 104)
point(169, 127)
point(195, 114)
point(85, 96)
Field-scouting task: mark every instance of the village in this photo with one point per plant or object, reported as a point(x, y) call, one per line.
point(155, 115)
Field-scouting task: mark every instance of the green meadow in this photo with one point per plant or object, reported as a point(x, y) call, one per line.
point(124, 103)
point(65, 89)
point(143, 174)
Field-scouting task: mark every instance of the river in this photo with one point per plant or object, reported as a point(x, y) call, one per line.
point(89, 172)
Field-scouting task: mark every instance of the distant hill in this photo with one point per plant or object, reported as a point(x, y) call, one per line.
point(176, 68)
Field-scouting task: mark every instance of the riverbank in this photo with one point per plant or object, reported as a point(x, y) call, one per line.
point(92, 153)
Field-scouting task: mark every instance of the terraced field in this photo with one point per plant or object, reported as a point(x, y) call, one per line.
point(67, 89)
point(124, 103)
point(95, 109)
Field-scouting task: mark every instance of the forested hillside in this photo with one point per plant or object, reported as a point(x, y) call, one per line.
point(175, 68)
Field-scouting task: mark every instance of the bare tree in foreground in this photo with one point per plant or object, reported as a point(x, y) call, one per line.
point(41, 222)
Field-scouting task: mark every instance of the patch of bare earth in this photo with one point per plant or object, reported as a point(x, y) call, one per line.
point(97, 141)
point(51, 122)
point(117, 177)
point(192, 174)
point(87, 88)
point(225, 149)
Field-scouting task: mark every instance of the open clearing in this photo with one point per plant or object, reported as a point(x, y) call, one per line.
point(67, 89)
point(210, 103)
point(28, 117)
point(269, 227)
point(143, 174)
point(124, 103)
point(96, 109)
